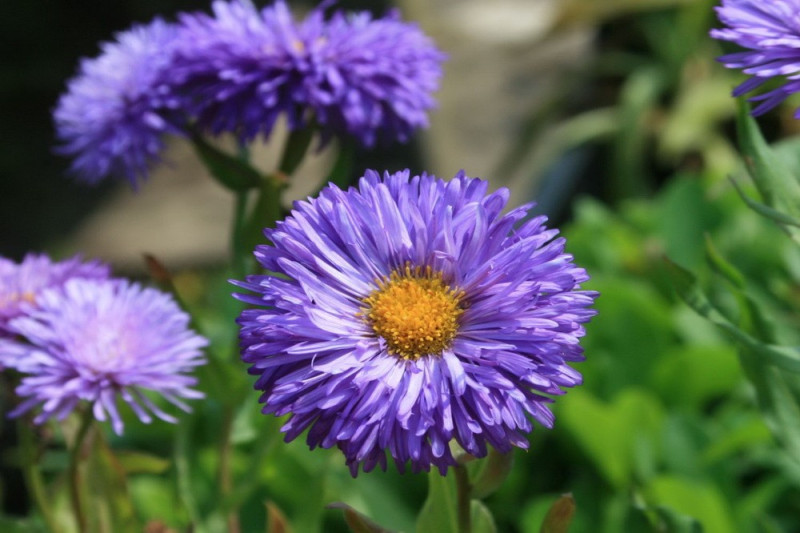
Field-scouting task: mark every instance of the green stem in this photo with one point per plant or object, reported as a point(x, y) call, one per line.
point(225, 478)
point(33, 476)
point(74, 471)
point(464, 490)
point(239, 249)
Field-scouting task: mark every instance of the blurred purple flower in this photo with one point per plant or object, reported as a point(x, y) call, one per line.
point(409, 312)
point(100, 340)
point(21, 283)
point(241, 68)
point(771, 32)
point(115, 112)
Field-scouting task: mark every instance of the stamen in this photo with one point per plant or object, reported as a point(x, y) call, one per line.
point(414, 311)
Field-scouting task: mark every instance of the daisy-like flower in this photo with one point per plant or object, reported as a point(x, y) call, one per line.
point(116, 110)
point(21, 283)
point(242, 68)
point(410, 312)
point(771, 33)
point(100, 341)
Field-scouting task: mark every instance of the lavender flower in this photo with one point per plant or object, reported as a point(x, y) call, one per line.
point(771, 33)
point(410, 312)
point(116, 110)
point(100, 340)
point(21, 283)
point(240, 69)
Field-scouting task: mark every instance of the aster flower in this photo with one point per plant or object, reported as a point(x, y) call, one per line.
point(115, 112)
point(771, 33)
point(410, 312)
point(21, 283)
point(241, 68)
point(102, 340)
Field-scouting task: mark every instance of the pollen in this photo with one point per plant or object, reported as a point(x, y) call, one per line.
point(414, 311)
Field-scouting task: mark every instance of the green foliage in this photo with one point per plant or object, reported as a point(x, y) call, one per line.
point(689, 417)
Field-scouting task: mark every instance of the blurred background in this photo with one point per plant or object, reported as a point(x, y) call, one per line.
point(615, 118)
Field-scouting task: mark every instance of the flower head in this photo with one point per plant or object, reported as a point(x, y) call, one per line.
point(242, 68)
point(771, 33)
point(101, 340)
point(21, 283)
point(116, 110)
point(409, 312)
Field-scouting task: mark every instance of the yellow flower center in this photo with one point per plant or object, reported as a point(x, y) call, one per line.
point(414, 311)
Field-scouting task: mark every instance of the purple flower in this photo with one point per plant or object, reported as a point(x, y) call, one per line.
point(21, 283)
point(242, 68)
point(771, 33)
point(115, 112)
point(410, 312)
point(101, 340)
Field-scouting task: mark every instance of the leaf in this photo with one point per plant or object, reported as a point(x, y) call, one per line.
point(778, 395)
point(357, 522)
point(559, 517)
point(109, 503)
point(495, 469)
point(231, 172)
point(134, 462)
point(184, 452)
point(765, 210)
point(438, 514)
point(10, 524)
point(481, 518)
point(674, 522)
point(787, 358)
point(722, 266)
point(685, 503)
point(616, 436)
point(771, 175)
point(276, 520)
point(772, 369)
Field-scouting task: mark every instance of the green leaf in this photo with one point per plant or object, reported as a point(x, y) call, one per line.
point(679, 501)
point(109, 503)
point(495, 469)
point(663, 520)
point(357, 522)
point(134, 462)
point(693, 374)
point(559, 517)
point(184, 452)
point(638, 98)
point(20, 525)
point(722, 266)
point(765, 210)
point(619, 436)
point(775, 182)
point(438, 514)
point(772, 369)
point(778, 395)
point(481, 518)
point(675, 522)
point(230, 171)
point(787, 358)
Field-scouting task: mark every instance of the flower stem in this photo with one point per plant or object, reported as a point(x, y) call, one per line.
point(74, 471)
point(33, 476)
point(225, 479)
point(239, 249)
point(464, 490)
